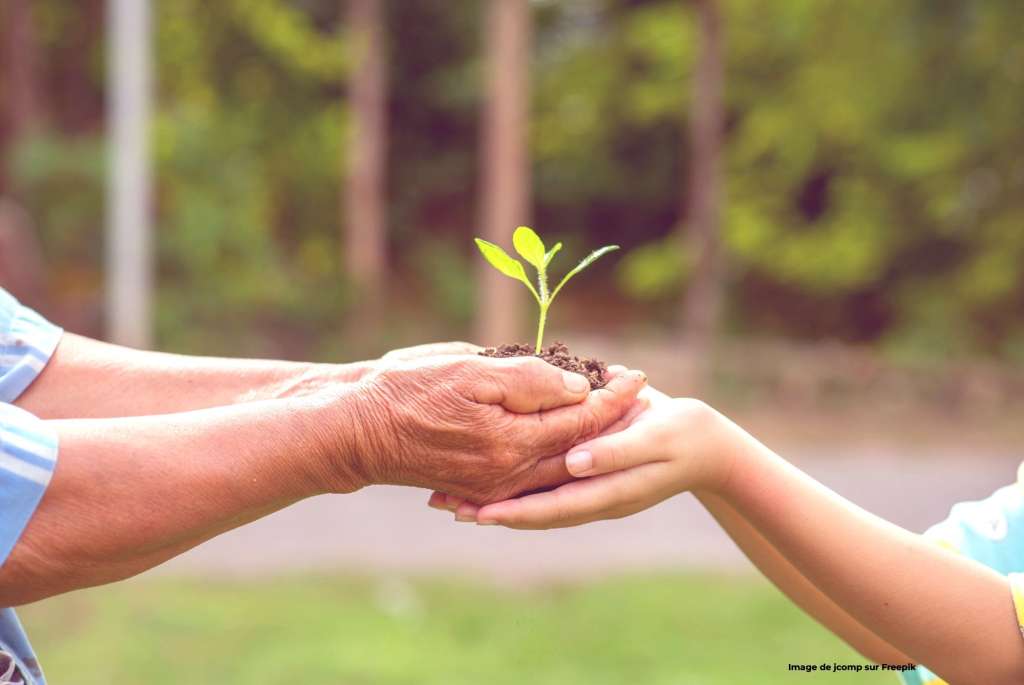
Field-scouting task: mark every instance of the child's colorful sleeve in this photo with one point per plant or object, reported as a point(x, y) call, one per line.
point(990, 531)
point(1017, 590)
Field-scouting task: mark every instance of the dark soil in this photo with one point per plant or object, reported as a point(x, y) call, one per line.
point(596, 371)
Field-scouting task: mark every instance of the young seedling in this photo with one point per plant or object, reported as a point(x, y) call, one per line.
point(529, 245)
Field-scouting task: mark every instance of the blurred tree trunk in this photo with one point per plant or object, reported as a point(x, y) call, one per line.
point(703, 199)
point(75, 103)
point(129, 271)
point(22, 95)
point(20, 262)
point(365, 217)
point(20, 56)
point(506, 175)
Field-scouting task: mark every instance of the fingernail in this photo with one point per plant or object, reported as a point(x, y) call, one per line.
point(579, 463)
point(464, 518)
point(574, 382)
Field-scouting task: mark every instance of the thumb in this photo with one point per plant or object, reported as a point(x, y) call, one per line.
point(525, 385)
point(612, 452)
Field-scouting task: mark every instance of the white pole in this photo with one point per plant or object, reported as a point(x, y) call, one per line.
point(129, 271)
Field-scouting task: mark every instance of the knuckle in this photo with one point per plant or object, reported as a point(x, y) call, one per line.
point(461, 368)
point(502, 424)
point(614, 459)
point(588, 424)
point(529, 368)
point(388, 377)
point(402, 380)
point(559, 513)
point(468, 377)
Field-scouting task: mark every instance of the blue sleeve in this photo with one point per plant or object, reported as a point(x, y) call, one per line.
point(28, 447)
point(27, 342)
point(991, 532)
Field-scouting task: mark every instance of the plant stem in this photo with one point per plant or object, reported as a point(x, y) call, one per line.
point(545, 302)
point(540, 326)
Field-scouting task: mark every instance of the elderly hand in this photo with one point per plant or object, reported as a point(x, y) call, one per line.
point(660, 447)
point(480, 428)
point(304, 380)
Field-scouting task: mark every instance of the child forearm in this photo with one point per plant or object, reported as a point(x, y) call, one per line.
point(952, 614)
point(790, 582)
point(944, 611)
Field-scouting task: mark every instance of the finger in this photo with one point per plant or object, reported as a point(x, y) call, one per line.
point(611, 452)
point(547, 473)
point(466, 512)
point(452, 502)
point(443, 501)
point(525, 385)
point(615, 370)
point(611, 495)
point(554, 432)
point(640, 405)
point(653, 395)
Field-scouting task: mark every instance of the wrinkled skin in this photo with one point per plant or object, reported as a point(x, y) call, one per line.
point(632, 467)
point(480, 428)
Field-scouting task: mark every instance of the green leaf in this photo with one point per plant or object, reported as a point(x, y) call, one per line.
point(587, 261)
point(509, 266)
point(529, 245)
point(551, 253)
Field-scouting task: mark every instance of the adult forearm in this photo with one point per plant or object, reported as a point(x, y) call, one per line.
point(794, 585)
point(128, 494)
point(91, 379)
point(895, 583)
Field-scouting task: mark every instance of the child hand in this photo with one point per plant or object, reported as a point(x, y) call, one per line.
point(663, 447)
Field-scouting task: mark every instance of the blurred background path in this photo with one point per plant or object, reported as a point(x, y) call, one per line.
point(390, 530)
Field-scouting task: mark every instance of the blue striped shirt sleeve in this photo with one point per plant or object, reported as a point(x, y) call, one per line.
point(28, 447)
point(28, 455)
point(27, 341)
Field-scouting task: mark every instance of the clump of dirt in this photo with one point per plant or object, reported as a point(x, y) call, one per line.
point(595, 370)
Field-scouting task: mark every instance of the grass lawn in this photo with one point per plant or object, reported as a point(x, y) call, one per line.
point(678, 629)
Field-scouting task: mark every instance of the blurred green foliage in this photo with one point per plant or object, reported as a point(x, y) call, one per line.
point(62, 178)
point(653, 630)
point(248, 144)
point(875, 182)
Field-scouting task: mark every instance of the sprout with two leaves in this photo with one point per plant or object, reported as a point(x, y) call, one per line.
point(529, 245)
